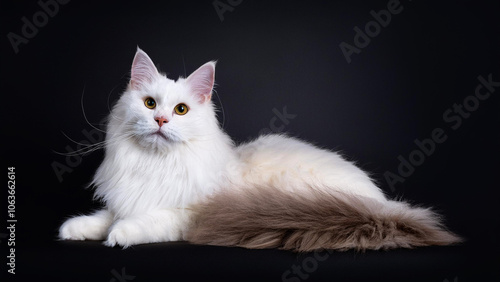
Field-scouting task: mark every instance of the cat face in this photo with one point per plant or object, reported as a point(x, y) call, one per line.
point(158, 112)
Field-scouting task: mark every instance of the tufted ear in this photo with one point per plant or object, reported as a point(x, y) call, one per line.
point(143, 70)
point(201, 81)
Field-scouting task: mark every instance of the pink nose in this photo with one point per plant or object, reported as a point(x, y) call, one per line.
point(161, 121)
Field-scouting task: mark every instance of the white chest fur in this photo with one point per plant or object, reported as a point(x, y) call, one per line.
point(132, 180)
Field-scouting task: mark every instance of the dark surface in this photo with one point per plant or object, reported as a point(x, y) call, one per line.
point(270, 56)
point(83, 261)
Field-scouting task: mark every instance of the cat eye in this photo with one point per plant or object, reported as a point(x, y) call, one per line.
point(150, 103)
point(181, 109)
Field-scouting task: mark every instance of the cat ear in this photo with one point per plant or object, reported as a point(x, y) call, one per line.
point(143, 70)
point(202, 81)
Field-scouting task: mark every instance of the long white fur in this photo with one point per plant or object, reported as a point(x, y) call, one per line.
point(148, 183)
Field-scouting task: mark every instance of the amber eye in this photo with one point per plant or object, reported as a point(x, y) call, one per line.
point(181, 109)
point(150, 103)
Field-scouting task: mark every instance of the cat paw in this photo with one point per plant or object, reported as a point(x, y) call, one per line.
point(83, 228)
point(125, 234)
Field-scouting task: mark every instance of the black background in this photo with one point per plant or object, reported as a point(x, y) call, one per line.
point(270, 55)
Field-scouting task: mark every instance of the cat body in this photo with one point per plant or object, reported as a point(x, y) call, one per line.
point(297, 166)
point(171, 173)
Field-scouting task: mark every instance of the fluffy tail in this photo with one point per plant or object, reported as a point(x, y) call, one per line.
point(268, 218)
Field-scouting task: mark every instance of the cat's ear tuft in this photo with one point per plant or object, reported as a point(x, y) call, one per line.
point(202, 81)
point(143, 70)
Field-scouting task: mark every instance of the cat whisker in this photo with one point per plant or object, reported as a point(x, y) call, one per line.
point(110, 92)
point(83, 111)
point(221, 106)
point(65, 135)
point(94, 147)
point(81, 152)
point(76, 152)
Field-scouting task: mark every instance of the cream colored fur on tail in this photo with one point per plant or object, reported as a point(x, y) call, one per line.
point(171, 173)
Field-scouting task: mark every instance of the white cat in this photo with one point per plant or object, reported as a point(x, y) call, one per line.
point(170, 173)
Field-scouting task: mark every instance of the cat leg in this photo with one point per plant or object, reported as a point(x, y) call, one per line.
point(156, 226)
point(87, 227)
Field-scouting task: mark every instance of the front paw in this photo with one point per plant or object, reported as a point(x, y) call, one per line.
point(125, 233)
point(82, 228)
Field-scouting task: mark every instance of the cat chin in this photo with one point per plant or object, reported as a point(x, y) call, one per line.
point(158, 141)
point(159, 135)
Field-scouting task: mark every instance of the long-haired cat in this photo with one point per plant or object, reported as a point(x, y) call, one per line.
point(171, 173)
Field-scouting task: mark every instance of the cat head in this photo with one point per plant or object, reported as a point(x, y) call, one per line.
point(158, 112)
